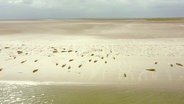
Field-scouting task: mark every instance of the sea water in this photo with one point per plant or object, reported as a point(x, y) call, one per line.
point(86, 94)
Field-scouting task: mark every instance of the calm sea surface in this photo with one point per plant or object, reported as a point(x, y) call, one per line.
point(86, 94)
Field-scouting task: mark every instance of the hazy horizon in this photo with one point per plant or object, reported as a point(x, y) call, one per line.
point(66, 9)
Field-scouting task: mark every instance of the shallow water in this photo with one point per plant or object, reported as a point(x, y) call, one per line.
point(86, 94)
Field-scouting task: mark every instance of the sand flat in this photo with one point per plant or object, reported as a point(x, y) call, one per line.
point(71, 51)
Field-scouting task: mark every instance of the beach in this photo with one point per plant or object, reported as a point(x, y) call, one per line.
point(126, 53)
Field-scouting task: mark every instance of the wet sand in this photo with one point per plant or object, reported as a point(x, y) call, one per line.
point(93, 28)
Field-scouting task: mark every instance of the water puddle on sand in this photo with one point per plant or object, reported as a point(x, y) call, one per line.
point(83, 94)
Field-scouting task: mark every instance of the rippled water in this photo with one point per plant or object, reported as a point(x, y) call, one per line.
point(86, 94)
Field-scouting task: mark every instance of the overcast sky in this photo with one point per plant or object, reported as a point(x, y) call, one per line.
point(27, 9)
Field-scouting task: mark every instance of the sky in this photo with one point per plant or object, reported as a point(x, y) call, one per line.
point(37, 9)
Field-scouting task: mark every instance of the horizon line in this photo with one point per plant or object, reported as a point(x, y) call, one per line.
point(123, 18)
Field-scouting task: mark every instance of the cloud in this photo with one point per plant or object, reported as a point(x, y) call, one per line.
point(90, 8)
